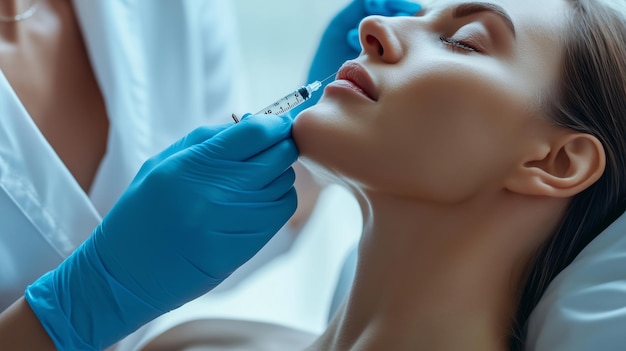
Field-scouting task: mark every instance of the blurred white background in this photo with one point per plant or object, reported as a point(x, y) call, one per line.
point(278, 39)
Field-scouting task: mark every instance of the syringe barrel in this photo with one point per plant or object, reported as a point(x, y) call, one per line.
point(287, 102)
point(290, 101)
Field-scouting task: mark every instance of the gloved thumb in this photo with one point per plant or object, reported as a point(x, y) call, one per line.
point(249, 137)
point(196, 136)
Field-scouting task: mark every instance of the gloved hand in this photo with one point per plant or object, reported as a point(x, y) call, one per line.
point(340, 41)
point(194, 214)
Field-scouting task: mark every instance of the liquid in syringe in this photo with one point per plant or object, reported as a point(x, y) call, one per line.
point(291, 100)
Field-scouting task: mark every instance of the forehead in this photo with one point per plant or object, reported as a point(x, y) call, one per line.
point(549, 16)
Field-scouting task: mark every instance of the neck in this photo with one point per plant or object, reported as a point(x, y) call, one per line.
point(439, 277)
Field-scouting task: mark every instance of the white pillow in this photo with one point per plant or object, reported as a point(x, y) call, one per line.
point(584, 308)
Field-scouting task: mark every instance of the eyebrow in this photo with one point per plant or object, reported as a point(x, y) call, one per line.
point(471, 8)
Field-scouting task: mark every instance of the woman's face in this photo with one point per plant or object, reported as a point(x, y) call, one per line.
point(440, 104)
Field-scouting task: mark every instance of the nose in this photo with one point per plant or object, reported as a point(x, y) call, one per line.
point(379, 40)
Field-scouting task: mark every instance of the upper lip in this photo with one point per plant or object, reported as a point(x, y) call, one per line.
point(355, 73)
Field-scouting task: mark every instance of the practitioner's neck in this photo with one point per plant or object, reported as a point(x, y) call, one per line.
point(439, 277)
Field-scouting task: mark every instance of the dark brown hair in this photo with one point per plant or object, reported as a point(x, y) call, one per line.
point(591, 97)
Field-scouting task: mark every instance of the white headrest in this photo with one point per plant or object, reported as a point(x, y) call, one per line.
point(584, 308)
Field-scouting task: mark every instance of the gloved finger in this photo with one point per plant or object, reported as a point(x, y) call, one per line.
point(273, 161)
point(273, 191)
point(245, 115)
point(249, 137)
point(239, 218)
point(276, 189)
point(212, 254)
point(246, 234)
point(196, 136)
point(349, 16)
point(354, 39)
point(280, 186)
point(383, 8)
point(391, 7)
point(273, 215)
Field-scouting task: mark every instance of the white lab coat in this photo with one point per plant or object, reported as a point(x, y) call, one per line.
point(164, 67)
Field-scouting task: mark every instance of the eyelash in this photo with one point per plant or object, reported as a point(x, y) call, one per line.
point(457, 44)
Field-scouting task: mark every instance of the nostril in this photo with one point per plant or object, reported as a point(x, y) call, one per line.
point(371, 40)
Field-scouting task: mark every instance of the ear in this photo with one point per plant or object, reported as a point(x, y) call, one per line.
point(566, 165)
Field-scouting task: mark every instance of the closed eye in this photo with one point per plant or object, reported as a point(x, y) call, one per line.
point(457, 44)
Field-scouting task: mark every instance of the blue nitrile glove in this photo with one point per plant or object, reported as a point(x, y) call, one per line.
point(193, 214)
point(340, 41)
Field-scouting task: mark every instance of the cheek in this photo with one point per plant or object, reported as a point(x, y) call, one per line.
point(328, 133)
point(455, 135)
point(453, 100)
point(440, 137)
point(345, 140)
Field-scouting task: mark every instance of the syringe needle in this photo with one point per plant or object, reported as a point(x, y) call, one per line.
point(327, 78)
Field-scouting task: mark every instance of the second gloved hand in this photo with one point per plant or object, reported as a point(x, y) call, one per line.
point(193, 214)
point(374, 7)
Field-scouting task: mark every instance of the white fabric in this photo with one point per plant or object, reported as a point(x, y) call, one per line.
point(44, 213)
point(164, 68)
point(584, 308)
point(231, 335)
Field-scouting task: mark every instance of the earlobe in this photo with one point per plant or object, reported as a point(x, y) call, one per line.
point(572, 162)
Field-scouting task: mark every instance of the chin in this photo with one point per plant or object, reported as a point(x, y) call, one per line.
point(317, 137)
point(308, 130)
point(331, 143)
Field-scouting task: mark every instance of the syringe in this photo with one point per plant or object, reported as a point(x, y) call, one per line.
point(290, 101)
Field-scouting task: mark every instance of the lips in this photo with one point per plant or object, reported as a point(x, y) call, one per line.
point(356, 75)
